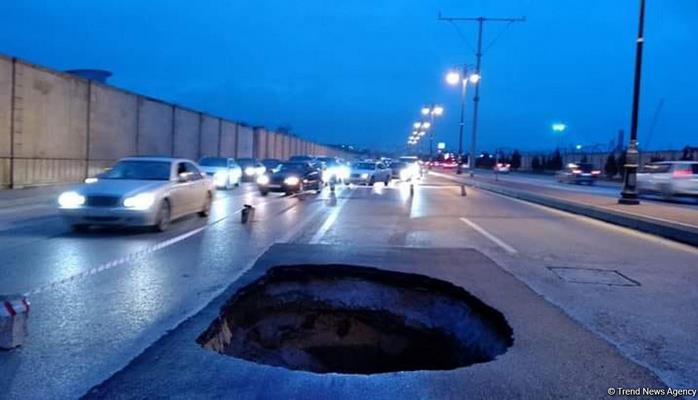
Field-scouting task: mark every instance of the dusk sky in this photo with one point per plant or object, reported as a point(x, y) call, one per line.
point(359, 71)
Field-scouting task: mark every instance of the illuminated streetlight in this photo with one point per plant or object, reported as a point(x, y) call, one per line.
point(417, 125)
point(559, 127)
point(475, 78)
point(453, 78)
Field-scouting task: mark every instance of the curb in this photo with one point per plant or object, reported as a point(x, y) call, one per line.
point(665, 229)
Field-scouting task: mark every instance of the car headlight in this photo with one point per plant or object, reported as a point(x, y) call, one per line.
point(249, 171)
point(364, 176)
point(91, 180)
point(405, 173)
point(142, 201)
point(292, 181)
point(263, 180)
point(219, 178)
point(260, 170)
point(71, 200)
point(327, 175)
point(343, 172)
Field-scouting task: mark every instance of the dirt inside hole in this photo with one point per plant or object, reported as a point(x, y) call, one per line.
point(348, 319)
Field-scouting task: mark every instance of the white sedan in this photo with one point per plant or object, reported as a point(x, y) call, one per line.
point(225, 172)
point(139, 191)
point(669, 178)
point(368, 173)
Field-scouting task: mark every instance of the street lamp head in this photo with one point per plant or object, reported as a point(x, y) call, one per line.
point(422, 133)
point(453, 78)
point(426, 110)
point(559, 127)
point(417, 125)
point(438, 111)
point(475, 78)
point(578, 147)
point(426, 125)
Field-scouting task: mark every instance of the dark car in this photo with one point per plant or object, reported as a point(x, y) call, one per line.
point(251, 168)
point(578, 173)
point(271, 163)
point(290, 177)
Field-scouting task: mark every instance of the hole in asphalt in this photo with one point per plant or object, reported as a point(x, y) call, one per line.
point(359, 320)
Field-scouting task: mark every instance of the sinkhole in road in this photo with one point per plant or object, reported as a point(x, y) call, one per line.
point(356, 320)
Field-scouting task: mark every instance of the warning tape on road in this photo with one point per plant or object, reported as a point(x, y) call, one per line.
point(12, 308)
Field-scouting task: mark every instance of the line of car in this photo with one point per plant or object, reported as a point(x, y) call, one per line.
point(153, 191)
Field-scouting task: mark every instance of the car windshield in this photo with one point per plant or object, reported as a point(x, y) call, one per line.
point(139, 170)
point(363, 165)
point(213, 162)
point(292, 166)
point(246, 162)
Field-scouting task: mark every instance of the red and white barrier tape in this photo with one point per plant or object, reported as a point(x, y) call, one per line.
point(12, 308)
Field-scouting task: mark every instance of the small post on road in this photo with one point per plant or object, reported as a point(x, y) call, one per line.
point(246, 212)
point(411, 189)
point(462, 190)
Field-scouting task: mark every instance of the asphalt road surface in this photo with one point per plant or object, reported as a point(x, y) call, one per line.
point(101, 298)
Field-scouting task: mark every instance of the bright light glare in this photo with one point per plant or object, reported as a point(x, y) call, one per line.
point(438, 110)
point(426, 125)
point(579, 147)
point(422, 133)
point(141, 201)
point(71, 200)
point(559, 127)
point(292, 181)
point(475, 78)
point(91, 180)
point(453, 78)
point(426, 110)
point(263, 180)
point(417, 125)
point(220, 178)
point(249, 171)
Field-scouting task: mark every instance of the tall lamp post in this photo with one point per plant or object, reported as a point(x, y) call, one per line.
point(629, 194)
point(432, 111)
point(462, 78)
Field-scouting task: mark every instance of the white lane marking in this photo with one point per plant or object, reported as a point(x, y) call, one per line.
point(499, 242)
point(328, 223)
point(120, 261)
point(603, 224)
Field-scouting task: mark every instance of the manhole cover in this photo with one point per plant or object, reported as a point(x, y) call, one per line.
point(593, 276)
point(348, 319)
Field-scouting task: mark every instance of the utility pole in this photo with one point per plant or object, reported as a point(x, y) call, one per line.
point(478, 66)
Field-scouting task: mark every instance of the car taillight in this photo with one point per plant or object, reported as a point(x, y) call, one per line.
point(576, 171)
point(596, 172)
point(682, 173)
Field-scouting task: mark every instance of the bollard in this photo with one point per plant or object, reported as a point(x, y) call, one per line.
point(247, 210)
point(14, 311)
point(462, 190)
point(411, 189)
point(332, 185)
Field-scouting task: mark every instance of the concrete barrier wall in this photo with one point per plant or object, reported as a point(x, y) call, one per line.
point(58, 128)
point(49, 127)
point(155, 128)
point(210, 128)
point(113, 126)
point(245, 147)
point(228, 139)
point(186, 134)
point(5, 116)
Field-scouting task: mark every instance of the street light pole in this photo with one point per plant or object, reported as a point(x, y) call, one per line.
point(464, 84)
point(629, 194)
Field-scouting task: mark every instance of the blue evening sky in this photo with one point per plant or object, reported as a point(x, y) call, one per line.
point(358, 71)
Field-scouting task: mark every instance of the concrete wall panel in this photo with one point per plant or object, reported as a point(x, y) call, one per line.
point(228, 139)
point(50, 114)
point(5, 106)
point(186, 139)
point(155, 122)
point(210, 130)
point(245, 142)
point(113, 123)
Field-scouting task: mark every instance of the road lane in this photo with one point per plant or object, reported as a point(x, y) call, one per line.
point(83, 330)
point(651, 323)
